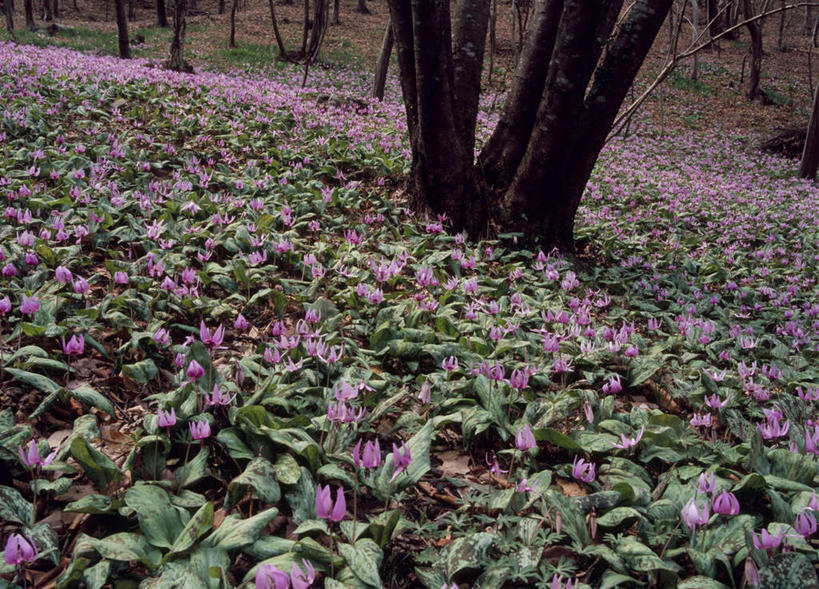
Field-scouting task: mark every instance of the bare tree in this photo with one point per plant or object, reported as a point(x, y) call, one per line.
point(335, 20)
point(233, 8)
point(122, 30)
point(28, 8)
point(383, 63)
point(576, 68)
point(161, 14)
point(176, 61)
point(810, 153)
point(755, 31)
point(8, 9)
point(361, 7)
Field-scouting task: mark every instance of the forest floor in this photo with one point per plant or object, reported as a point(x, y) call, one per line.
point(228, 246)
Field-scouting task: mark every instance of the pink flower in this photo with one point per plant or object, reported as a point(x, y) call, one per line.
point(30, 305)
point(626, 443)
point(614, 385)
point(767, 541)
point(31, 455)
point(583, 470)
point(200, 429)
point(450, 364)
point(218, 397)
point(269, 577)
point(805, 523)
point(302, 579)
point(195, 370)
point(5, 305)
point(693, 516)
point(165, 418)
point(121, 278)
point(63, 274)
point(371, 457)
point(525, 439)
point(19, 550)
point(240, 323)
point(400, 461)
point(726, 504)
point(325, 508)
point(74, 347)
point(211, 340)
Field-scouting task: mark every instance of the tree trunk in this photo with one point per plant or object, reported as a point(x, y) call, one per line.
point(122, 30)
point(28, 8)
point(276, 33)
point(48, 11)
point(161, 14)
point(810, 153)
point(177, 62)
point(383, 63)
point(423, 40)
point(714, 23)
point(780, 43)
point(335, 20)
point(695, 25)
point(755, 31)
point(8, 9)
point(233, 7)
point(361, 7)
point(807, 25)
point(305, 30)
point(131, 10)
point(505, 147)
point(573, 76)
point(55, 8)
point(221, 7)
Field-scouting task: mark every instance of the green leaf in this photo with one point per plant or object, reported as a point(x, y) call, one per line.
point(200, 523)
point(96, 576)
point(789, 570)
point(35, 381)
point(94, 504)
point(259, 475)
point(364, 560)
point(466, 553)
point(287, 470)
point(619, 516)
point(193, 471)
point(143, 371)
point(236, 532)
point(92, 397)
point(13, 506)
point(700, 582)
point(160, 521)
point(558, 439)
point(126, 546)
point(207, 561)
point(97, 466)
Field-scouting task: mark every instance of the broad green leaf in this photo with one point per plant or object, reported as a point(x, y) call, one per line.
point(235, 532)
point(97, 466)
point(92, 397)
point(160, 521)
point(287, 470)
point(94, 504)
point(36, 381)
point(200, 523)
point(13, 506)
point(127, 547)
point(364, 560)
point(143, 371)
point(194, 471)
point(259, 475)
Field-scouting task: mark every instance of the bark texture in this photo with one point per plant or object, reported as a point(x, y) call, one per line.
point(383, 63)
point(810, 153)
point(122, 30)
point(177, 62)
point(8, 9)
point(573, 75)
point(28, 8)
point(161, 14)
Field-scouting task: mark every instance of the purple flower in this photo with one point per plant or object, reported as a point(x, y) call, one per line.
point(523, 486)
point(63, 274)
point(400, 461)
point(371, 457)
point(583, 470)
point(269, 577)
point(240, 323)
point(705, 420)
point(162, 337)
point(693, 516)
point(165, 418)
point(767, 541)
point(450, 364)
point(81, 286)
point(726, 504)
point(218, 397)
point(626, 442)
point(714, 402)
point(121, 278)
point(325, 508)
point(557, 582)
point(5, 305)
point(211, 340)
point(30, 305)
point(200, 429)
point(74, 347)
point(525, 439)
point(614, 385)
point(805, 523)
point(31, 455)
point(425, 394)
point(302, 579)
point(195, 370)
point(519, 379)
point(706, 484)
point(19, 550)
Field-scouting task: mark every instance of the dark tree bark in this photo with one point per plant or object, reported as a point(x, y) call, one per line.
point(361, 7)
point(48, 10)
point(572, 78)
point(714, 23)
point(383, 63)
point(176, 61)
point(233, 8)
point(132, 10)
point(55, 8)
point(755, 31)
point(161, 14)
point(810, 153)
point(28, 8)
point(122, 30)
point(8, 9)
point(335, 20)
point(221, 8)
point(276, 33)
point(780, 43)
